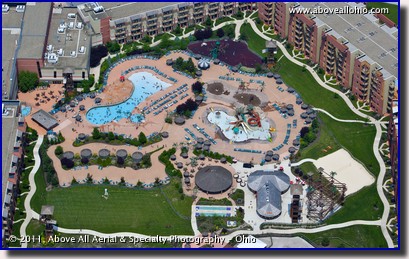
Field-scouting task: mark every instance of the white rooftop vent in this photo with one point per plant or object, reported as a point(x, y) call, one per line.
point(5, 8)
point(72, 53)
point(82, 49)
point(79, 25)
point(50, 47)
point(98, 9)
point(71, 16)
point(52, 58)
point(71, 25)
point(60, 52)
point(20, 8)
point(61, 30)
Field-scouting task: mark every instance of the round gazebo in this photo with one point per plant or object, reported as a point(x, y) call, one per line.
point(203, 64)
point(169, 62)
point(81, 136)
point(276, 157)
point(173, 157)
point(298, 101)
point(86, 153)
point(184, 155)
point(179, 165)
point(137, 156)
point(268, 158)
point(213, 179)
point(104, 153)
point(292, 150)
point(269, 153)
point(68, 155)
point(121, 153)
point(165, 134)
point(270, 75)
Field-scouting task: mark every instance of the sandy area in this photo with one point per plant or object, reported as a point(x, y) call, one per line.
point(349, 171)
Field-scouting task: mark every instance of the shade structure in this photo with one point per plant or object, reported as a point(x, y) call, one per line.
point(270, 75)
point(82, 136)
point(169, 62)
point(298, 101)
point(289, 106)
point(137, 156)
point(198, 73)
point(78, 118)
point(165, 134)
point(79, 98)
point(179, 165)
point(200, 140)
point(203, 64)
point(312, 116)
point(308, 120)
point(69, 155)
point(279, 81)
point(309, 111)
point(63, 109)
point(304, 115)
point(206, 148)
point(292, 150)
point(72, 104)
point(216, 61)
point(197, 56)
point(199, 98)
point(201, 157)
point(276, 157)
point(104, 153)
point(213, 179)
point(184, 155)
point(268, 158)
point(187, 180)
point(98, 100)
point(234, 69)
point(173, 157)
point(82, 107)
point(283, 110)
point(296, 142)
point(290, 113)
point(276, 76)
point(86, 153)
point(290, 90)
point(304, 106)
point(92, 95)
point(179, 120)
point(121, 153)
point(186, 174)
point(198, 146)
point(223, 160)
point(269, 153)
point(207, 143)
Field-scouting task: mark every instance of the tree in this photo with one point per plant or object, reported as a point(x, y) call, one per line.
point(111, 135)
point(142, 138)
point(146, 160)
point(165, 42)
point(304, 131)
point(197, 87)
point(325, 241)
point(58, 150)
point(178, 30)
point(113, 47)
point(27, 81)
point(96, 134)
point(84, 160)
point(220, 33)
point(229, 31)
point(146, 47)
point(208, 21)
point(147, 39)
point(168, 119)
point(67, 163)
point(97, 53)
point(73, 181)
point(258, 68)
point(120, 161)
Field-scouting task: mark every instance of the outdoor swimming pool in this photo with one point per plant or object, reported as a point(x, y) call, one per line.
point(212, 208)
point(25, 110)
point(145, 84)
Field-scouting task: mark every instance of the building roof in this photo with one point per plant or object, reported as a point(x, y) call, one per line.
point(34, 29)
point(269, 185)
point(128, 9)
point(44, 119)
point(8, 41)
point(379, 44)
point(213, 179)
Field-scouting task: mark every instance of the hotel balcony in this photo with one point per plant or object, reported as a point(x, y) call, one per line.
point(298, 26)
point(330, 68)
point(183, 13)
point(330, 50)
point(168, 17)
point(364, 85)
point(391, 91)
point(133, 32)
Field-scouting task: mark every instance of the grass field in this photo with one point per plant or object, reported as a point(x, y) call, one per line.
point(133, 210)
point(351, 237)
point(393, 10)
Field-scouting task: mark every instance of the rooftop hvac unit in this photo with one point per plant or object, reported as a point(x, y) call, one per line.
point(79, 25)
point(50, 47)
point(5, 8)
point(98, 9)
point(71, 25)
point(72, 53)
point(82, 49)
point(20, 8)
point(71, 16)
point(52, 58)
point(60, 52)
point(61, 30)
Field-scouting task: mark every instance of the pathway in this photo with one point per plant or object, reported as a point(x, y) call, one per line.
point(30, 213)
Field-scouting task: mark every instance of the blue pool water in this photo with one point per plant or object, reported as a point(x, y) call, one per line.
point(145, 84)
point(25, 111)
point(212, 208)
point(213, 214)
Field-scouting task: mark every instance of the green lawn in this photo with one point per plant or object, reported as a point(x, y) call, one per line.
point(254, 41)
point(359, 236)
point(363, 205)
point(393, 10)
point(223, 19)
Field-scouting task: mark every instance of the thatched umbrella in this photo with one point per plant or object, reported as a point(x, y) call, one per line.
point(104, 153)
point(290, 90)
point(98, 100)
point(276, 76)
point(279, 81)
point(200, 140)
point(184, 155)
point(82, 107)
point(216, 61)
point(137, 156)
point(173, 157)
point(290, 113)
point(270, 75)
point(223, 160)
point(269, 153)
point(234, 69)
point(68, 155)
point(81, 136)
point(169, 62)
point(292, 150)
point(201, 157)
point(296, 142)
point(276, 157)
point(199, 73)
point(86, 153)
point(304, 115)
point(304, 106)
point(298, 101)
point(165, 134)
point(268, 158)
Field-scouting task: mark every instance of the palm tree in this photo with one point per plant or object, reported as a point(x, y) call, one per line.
point(332, 173)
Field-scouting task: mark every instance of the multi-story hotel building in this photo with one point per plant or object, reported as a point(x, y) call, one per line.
point(330, 41)
point(393, 141)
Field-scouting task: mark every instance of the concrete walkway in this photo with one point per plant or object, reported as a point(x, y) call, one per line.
point(29, 212)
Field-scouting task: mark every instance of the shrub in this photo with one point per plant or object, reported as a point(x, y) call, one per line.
point(58, 150)
point(111, 135)
point(84, 160)
point(27, 81)
point(220, 33)
point(113, 47)
point(197, 87)
point(67, 163)
point(96, 134)
point(142, 138)
point(120, 161)
point(169, 120)
point(325, 241)
point(97, 53)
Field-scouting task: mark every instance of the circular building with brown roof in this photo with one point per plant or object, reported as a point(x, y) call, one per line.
point(137, 156)
point(86, 153)
point(104, 153)
point(213, 179)
point(121, 153)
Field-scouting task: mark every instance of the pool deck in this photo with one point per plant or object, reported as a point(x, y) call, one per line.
point(155, 123)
